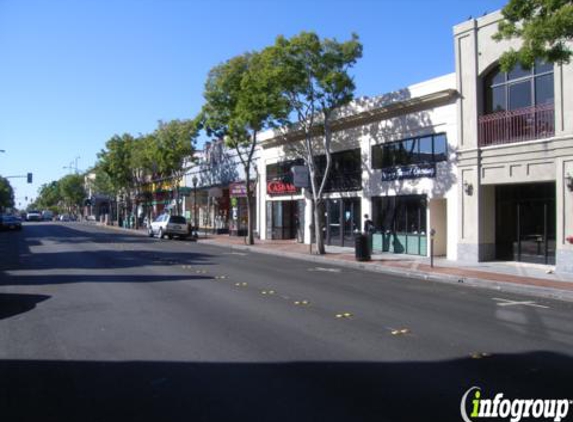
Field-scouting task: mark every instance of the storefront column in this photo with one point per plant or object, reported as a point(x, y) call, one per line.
point(564, 208)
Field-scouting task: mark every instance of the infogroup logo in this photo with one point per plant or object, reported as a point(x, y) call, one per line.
point(514, 409)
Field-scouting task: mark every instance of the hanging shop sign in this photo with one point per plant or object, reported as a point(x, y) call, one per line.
point(239, 189)
point(278, 187)
point(300, 176)
point(409, 172)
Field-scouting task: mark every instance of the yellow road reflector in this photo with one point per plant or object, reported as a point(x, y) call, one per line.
point(480, 355)
point(241, 284)
point(344, 315)
point(271, 292)
point(304, 302)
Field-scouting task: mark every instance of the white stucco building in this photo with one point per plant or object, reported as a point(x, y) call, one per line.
point(394, 158)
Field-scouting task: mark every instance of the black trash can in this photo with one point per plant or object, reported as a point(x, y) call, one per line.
point(362, 247)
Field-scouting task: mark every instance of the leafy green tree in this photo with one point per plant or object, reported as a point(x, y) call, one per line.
point(102, 184)
point(544, 26)
point(6, 194)
point(116, 162)
point(72, 191)
point(315, 82)
point(49, 197)
point(171, 149)
point(243, 98)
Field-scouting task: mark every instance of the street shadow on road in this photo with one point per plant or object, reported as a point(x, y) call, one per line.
point(44, 280)
point(12, 304)
point(306, 391)
point(110, 259)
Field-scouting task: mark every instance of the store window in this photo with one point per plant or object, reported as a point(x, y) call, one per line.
point(345, 172)
point(400, 223)
point(412, 151)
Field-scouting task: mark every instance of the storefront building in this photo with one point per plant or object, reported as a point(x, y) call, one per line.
point(515, 153)
point(216, 202)
point(393, 158)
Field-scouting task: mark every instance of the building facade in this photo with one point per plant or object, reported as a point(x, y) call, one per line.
point(215, 192)
point(393, 158)
point(515, 157)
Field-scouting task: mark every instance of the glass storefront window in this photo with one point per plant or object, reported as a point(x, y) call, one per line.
point(401, 224)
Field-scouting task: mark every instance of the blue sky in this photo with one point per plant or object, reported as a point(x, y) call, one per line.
point(74, 73)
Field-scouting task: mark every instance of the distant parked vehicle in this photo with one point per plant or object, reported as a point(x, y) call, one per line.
point(10, 222)
point(34, 216)
point(169, 225)
point(65, 217)
point(47, 215)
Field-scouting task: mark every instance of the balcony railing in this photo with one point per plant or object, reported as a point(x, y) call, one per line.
point(519, 125)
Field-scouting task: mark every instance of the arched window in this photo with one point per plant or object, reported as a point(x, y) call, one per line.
point(518, 88)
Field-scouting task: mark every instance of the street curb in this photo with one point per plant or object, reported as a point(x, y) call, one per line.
point(499, 286)
point(506, 287)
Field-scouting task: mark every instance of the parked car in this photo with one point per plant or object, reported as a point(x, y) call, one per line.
point(169, 225)
point(47, 215)
point(64, 217)
point(34, 216)
point(10, 222)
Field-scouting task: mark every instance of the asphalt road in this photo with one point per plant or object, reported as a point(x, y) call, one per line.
point(102, 325)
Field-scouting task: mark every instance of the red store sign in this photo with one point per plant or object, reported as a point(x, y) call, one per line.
point(278, 187)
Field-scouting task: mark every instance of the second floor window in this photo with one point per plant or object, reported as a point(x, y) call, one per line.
point(518, 88)
point(422, 150)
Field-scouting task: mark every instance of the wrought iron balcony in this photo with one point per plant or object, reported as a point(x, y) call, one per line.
point(518, 125)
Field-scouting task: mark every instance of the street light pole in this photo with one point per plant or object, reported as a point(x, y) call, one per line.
point(196, 223)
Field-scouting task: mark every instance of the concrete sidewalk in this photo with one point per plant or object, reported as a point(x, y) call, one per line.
point(513, 277)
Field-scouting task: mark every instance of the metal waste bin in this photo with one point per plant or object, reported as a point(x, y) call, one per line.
point(362, 247)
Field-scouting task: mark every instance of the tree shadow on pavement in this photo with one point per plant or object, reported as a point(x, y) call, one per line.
point(301, 391)
point(44, 280)
point(108, 258)
point(12, 304)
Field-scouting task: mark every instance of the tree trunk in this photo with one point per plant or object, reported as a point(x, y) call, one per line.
point(320, 249)
point(250, 235)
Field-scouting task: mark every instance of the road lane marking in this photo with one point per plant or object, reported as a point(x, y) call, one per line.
point(327, 270)
point(508, 302)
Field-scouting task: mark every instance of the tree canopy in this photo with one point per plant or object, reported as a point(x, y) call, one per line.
point(6, 194)
point(242, 98)
point(545, 28)
point(315, 81)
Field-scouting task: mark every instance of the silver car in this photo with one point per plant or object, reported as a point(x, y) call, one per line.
point(169, 225)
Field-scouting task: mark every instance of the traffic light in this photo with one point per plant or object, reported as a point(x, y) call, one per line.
point(29, 177)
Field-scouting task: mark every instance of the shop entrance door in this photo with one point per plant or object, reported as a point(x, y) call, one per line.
point(526, 223)
point(343, 221)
